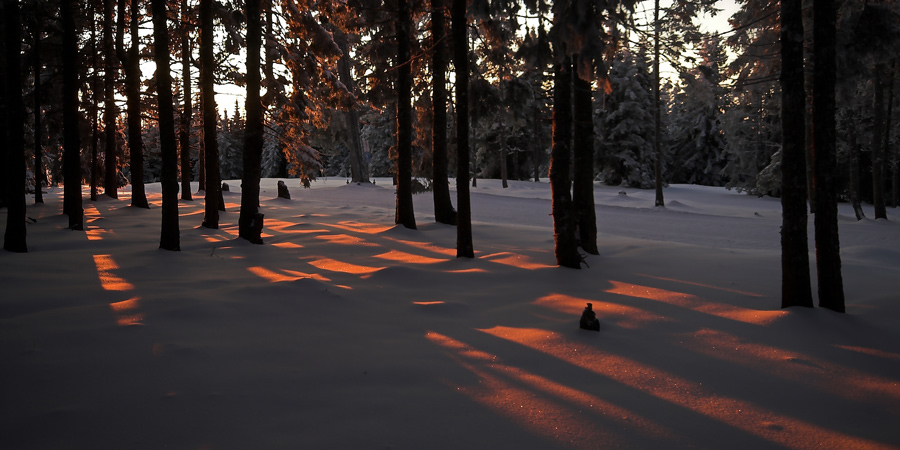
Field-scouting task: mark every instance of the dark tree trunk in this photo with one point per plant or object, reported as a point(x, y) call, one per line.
point(358, 171)
point(583, 183)
point(14, 238)
point(443, 207)
point(566, 244)
point(169, 238)
point(208, 102)
point(250, 222)
point(795, 281)
point(878, 133)
point(657, 119)
point(464, 245)
point(110, 112)
point(72, 201)
point(94, 106)
point(828, 249)
point(4, 151)
point(853, 150)
point(133, 99)
point(38, 141)
point(892, 75)
point(187, 112)
point(404, 211)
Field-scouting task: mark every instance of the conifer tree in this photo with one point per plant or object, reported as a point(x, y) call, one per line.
point(72, 201)
point(404, 210)
point(14, 237)
point(187, 111)
point(208, 104)
point(459, 29)
point(110, 111)
point(169, 233)
point(250, 222)
point(443, 208)
point(133, 105)
point(566, 244)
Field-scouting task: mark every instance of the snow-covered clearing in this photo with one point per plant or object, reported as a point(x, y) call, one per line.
point(346, 332)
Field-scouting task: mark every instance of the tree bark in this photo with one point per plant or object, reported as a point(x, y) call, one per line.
point(94, 109)
point(657, 147)
point(443, 207)
point(878, 134)
point(583, 183)
point(72, 201)
point(566, 244)
point(208, 103)
point(250, 222)
point(110, 112)
point(358, 172)
point(459, 29)
point(169, 234)
point(828, 257)
point(187, 112)
point(404, 210)
point(14, 237)
point(133, 104)
point(853, 149)
point(38, 141)
point(795, 280)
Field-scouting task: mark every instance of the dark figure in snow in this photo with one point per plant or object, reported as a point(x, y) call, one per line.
point(589, 319)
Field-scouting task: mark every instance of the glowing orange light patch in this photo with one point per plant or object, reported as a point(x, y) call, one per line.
point(109, 281)
point(438, 302)
point(472, 270)
point(286, 245)
point(313, 276)
point(345, 239)
point(744, 415)
point(124, 312)
point(192, 213)
point(751, 316)
point(871, 352)
point(395, 255)
point(515, 260)
point(692, 283)
point(425, 246)
point(624, 316)
point(360, 227)
point(334, 265)
point(270, 275)
point(282, 226)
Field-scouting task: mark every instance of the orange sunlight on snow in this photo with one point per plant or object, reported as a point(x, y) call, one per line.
point(395, 255)
point(334, 265)
point(425, 246)
point(688, 301)
point(693, 283)
point(623, 315)
point(515, 260)
point(126, 312)
point(108, 280)
point(345, 239)
point(91, 215)
point(286, 245)
point(360, 227)
point(744, 415)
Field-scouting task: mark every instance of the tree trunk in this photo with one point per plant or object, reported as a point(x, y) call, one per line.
point(404, 211)
point(853, 150)
point(828, 256)
point(169, 234)
point(94, 113)
point(886, 146)
point(250, 222)
point(358, 172)
point(440, 185)
point(208, 102)
point(878, 134)
point(504, 154)
point(72, 202)
point(583, 185)
point(459, 29)
point(38, 142)
point(795, 281)
point(14, 237)
point(657, 118)
point(110, 112)
point(4, 151)
point(187, 112)
point(133, 104)
point(566, 244)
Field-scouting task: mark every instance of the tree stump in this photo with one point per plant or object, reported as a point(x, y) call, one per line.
point(283, 190)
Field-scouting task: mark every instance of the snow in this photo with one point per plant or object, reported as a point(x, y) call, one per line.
point(344, 331)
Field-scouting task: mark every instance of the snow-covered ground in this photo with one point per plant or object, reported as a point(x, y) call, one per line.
point(346, 332)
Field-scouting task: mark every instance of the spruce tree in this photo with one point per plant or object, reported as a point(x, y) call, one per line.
point(169, 233)
point(459, 29)
point(14, 237)
point(250, 222)
point(72, 201)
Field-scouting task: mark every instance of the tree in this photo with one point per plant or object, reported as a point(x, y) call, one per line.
point(110, 112)
point(566, 244)
point(404, 211)
point(72, 202)
point(443, 208)
point(657, 120)
point(828, 257)
point(878, 136)
point(133, 106)
point(250, 222)
point(169, 234)
point(583, 182)
point(14, 237)
point(38, 132)
point(208, 104)
point(459, 30)
point(795, 282)
point(187, 111)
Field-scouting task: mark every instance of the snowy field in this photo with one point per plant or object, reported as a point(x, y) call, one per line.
point(346, 332)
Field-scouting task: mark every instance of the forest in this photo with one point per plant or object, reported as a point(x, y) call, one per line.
point(422, 92)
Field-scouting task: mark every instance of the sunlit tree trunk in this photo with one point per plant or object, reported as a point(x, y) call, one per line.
point(828, 256)
point(187, 111)
point(133, 104)
point(14, 237)
point(583, 182)
point(443, 207)
point(404, 210)
point(795, 281)
point(250, 222)
point(566, 244)
point(459, 29)
point(110, 112)
point(72, 201)
point(208, 103)
point(169, 234)
point(38, 141)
